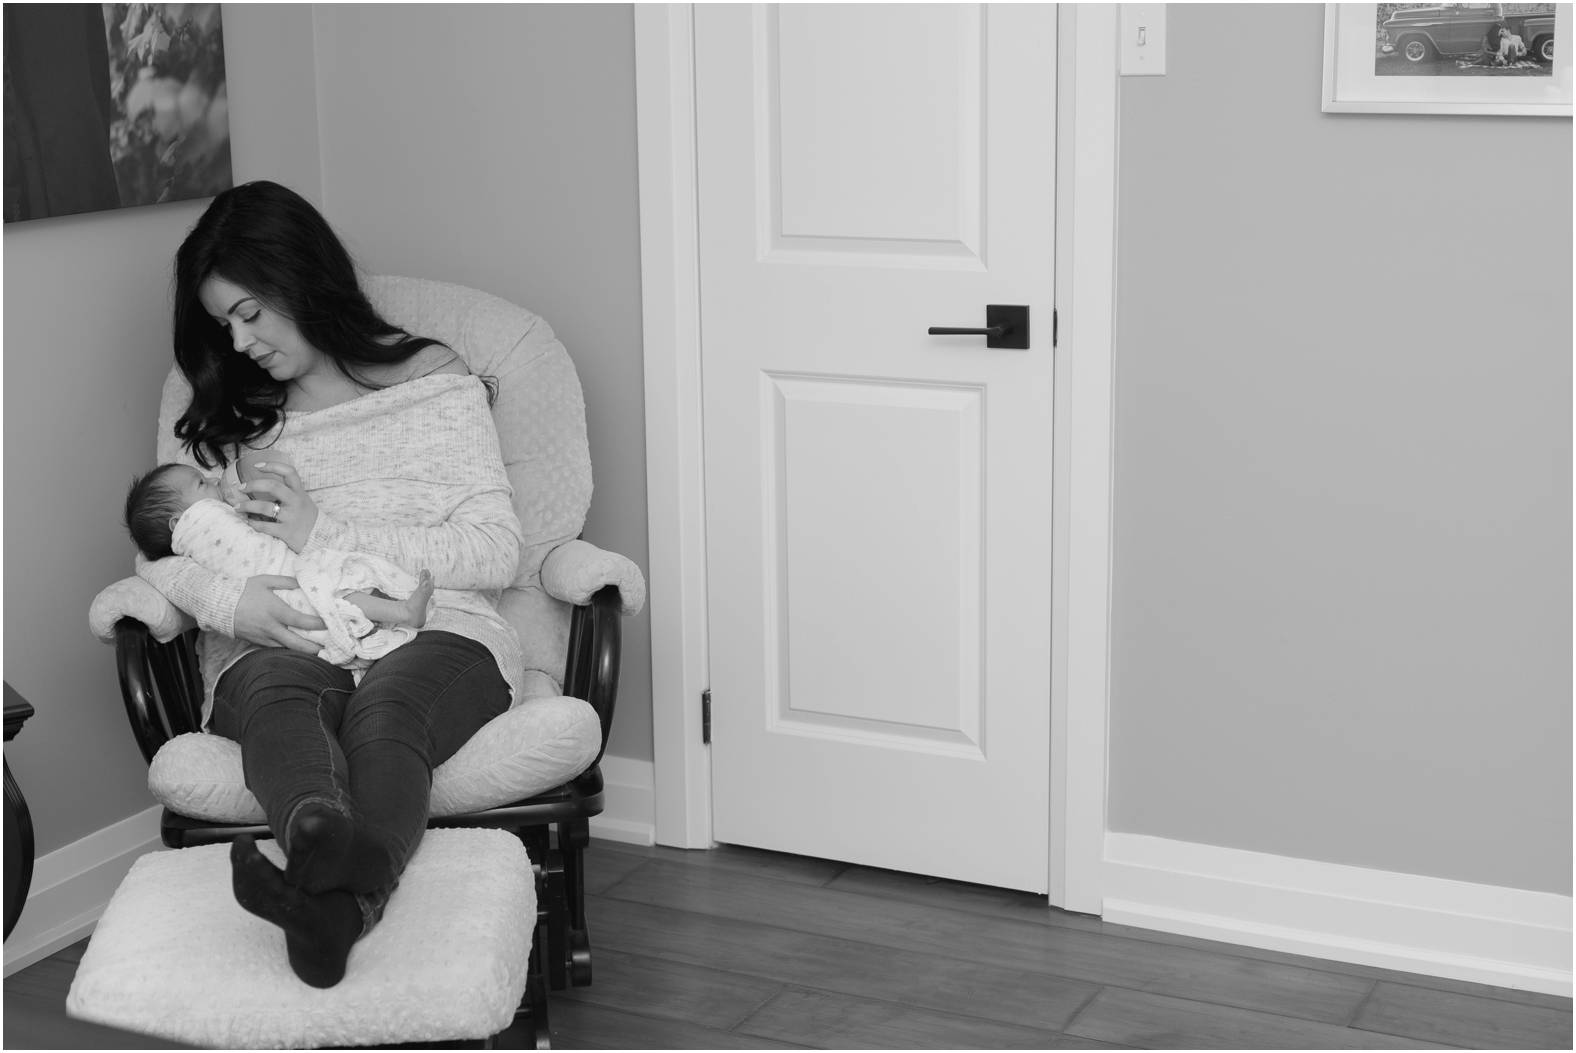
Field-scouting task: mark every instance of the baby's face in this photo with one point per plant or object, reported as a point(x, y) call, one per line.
point(192, 486)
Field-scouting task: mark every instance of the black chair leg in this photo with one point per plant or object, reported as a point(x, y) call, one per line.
point(540, 1027)
point(533, 1006)
point(552, 904)
point(573, 837)
point(557, 924)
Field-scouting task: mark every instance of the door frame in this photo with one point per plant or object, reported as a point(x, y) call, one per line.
point(1081, 459)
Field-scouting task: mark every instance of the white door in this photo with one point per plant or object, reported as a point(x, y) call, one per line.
point(878, 499)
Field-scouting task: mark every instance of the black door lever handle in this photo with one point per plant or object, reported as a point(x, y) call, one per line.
point(1006, 326)
point(942, 330)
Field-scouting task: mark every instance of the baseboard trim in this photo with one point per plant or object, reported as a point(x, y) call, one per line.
point(72, 885)
point(630, 814)
point(1410, 922)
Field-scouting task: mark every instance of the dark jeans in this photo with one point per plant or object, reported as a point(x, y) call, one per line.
point(308, 733)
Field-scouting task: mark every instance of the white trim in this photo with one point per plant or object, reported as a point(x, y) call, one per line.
point(676, 509)
point(1409, 922)
point(628, 814)
point(1081, 524)
point(664, 63)
point(72, 885)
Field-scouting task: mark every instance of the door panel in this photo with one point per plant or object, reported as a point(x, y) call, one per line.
point(890, 158)
point(851, 462)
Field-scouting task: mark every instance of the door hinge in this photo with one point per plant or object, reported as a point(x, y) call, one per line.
point(1055, 325)
point(705, 716)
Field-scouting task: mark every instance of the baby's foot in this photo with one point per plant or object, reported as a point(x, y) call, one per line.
point(319, 930)
point(417, 603)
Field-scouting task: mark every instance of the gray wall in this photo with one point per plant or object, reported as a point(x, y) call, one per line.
point(87, 346)
point(1342, 610)
point(494, 146)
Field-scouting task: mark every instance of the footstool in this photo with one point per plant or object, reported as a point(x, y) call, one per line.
point(175, 956)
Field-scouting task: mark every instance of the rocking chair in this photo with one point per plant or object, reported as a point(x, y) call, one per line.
point(532, 771)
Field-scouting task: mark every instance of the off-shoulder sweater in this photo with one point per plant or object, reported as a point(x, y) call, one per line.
point(411, 473)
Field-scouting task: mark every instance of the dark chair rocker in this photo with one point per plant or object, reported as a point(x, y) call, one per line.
point(161, 683)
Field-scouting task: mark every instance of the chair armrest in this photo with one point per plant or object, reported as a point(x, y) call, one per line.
point(577, 570)
point(159, 683)
point(135, 598)
point(595, 643)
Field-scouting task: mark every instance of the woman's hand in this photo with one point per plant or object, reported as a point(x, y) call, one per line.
point(289, 510)
point(263, 618)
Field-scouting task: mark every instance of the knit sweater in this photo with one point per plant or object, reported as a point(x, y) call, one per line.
point(411, 473)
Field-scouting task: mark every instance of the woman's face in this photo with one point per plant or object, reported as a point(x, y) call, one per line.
point(259, 332)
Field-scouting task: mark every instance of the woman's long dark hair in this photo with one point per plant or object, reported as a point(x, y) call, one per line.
point(270, 241)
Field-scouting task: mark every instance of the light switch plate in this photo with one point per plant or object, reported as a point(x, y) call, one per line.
point(1143, 50)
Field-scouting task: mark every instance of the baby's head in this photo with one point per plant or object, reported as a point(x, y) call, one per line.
point(157, 500)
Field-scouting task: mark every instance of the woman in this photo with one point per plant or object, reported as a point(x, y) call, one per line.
point(355, 435)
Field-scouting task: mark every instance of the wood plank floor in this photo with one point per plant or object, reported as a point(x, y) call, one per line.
point(741, 949)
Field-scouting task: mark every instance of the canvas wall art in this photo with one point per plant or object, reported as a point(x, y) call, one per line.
point(113, 105)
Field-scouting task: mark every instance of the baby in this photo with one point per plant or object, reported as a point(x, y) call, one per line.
point(177, 510)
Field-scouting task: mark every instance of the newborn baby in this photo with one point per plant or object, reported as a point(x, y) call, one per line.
point(177, 510)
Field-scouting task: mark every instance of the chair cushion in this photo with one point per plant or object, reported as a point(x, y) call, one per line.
point(539, 744)
point(175, 956)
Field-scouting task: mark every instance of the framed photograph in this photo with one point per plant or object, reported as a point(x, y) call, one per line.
point(113, 105)
point(1448, 58)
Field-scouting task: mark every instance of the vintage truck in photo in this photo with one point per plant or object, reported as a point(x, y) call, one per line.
point(1425, 32)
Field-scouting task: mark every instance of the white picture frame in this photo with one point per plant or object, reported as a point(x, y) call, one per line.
point(1354, 83)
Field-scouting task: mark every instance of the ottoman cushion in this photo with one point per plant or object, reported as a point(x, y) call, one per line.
point(175, 956)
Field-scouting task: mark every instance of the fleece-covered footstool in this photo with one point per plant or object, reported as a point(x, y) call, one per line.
point(175, 956)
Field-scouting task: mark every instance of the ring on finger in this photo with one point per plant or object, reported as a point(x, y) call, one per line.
point(276, 509)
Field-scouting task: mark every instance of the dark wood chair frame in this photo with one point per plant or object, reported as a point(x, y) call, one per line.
point(163, 692)
point(18, 820)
